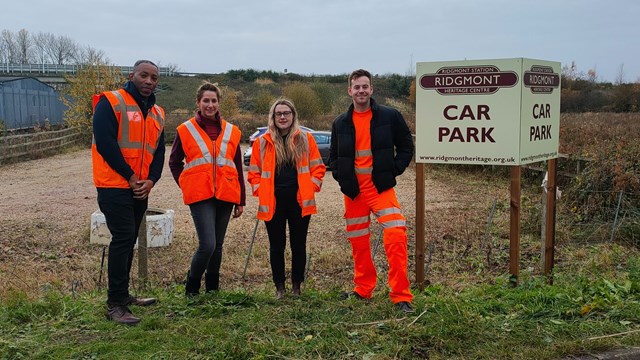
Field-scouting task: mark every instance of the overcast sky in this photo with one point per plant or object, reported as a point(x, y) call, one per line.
point(337, 36)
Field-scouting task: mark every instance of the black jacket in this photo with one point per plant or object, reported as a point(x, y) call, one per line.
point(391, 146)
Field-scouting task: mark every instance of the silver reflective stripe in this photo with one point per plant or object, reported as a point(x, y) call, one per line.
point(204, 149)
point(311, 202)
point(367, 170)
point(366, 152)
point(263, 147)
point(196, 162)
point(266, 175)
point(358, 220)
point(315, 162)
point(393, 223)
point(255, 187)
point(263, 208)
point(158, 118)
point(254, 168)
point(356, 233)
point(303, 169)
point(388, 211)
point(316, 181)
point(124, 109)
point(221, 160)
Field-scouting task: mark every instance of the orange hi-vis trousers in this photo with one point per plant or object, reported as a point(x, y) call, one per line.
point(386, 208)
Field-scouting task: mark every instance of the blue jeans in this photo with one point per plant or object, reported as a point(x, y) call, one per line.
point(123, 215)
point(210, 218)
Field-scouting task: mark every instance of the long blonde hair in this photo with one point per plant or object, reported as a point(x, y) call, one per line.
point(296, 146)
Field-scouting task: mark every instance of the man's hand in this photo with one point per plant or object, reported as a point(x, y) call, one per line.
point(143, 189)
point(133, 181)
point(237, 210)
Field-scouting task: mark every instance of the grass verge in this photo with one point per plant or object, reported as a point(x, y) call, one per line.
point(492, 321)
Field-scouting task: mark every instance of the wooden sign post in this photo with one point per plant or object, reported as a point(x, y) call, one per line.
point(487, 112)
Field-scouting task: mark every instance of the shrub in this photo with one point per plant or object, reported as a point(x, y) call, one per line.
point(327, 95)
point(229, 106)
point(305, 99)
point(262, 102)
point(78, 96)
point(615, 168)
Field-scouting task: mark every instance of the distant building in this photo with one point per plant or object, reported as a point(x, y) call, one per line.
point(26, 102)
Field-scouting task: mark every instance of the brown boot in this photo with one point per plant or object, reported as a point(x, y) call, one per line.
point(295, 288)
point(280, 291)
point(121, 314)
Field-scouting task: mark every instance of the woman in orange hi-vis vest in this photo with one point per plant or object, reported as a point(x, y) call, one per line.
point(206, 162)
point(285, 172)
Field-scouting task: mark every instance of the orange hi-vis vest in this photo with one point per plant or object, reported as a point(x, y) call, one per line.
point(261, 176)
point(138, 139)
point(209, 169)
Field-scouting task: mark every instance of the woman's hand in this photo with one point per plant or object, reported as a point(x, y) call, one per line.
point(237, 210)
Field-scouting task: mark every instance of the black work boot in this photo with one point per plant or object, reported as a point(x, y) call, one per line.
point(211, 282)
point(280, 291)
point(295, 288)
point(191, 286)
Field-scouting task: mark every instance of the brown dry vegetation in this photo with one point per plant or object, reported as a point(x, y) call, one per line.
point(583, 133)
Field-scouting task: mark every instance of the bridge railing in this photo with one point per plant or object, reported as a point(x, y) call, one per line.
point(55, 69)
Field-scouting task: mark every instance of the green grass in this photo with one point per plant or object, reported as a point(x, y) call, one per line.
point(493, 321)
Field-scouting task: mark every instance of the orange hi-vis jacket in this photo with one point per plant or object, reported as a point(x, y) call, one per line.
point(261, 176)
point(138, 139)
point(209, 169)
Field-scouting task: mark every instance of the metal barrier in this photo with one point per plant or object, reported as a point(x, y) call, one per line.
point(56, 69)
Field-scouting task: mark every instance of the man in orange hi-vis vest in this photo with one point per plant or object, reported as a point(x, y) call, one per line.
point(371, 144)
point(128, 156)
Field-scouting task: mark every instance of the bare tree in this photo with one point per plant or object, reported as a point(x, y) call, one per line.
point(173, 68)
point(91, 56)
point(23, 42)
point(61, 49)
point(620, 75)
point(8, 46)
point(570, 72)
point(41, 42)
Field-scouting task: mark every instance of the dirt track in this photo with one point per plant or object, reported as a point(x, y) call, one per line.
point(46, 206)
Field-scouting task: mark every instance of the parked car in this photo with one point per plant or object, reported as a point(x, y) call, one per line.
point(323, 139)
point(261, 130)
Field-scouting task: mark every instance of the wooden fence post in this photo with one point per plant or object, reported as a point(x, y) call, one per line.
point(142, 252)
point(550, 220)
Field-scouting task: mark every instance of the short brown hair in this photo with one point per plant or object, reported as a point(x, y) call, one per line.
point(207, 86)
point(358, 73)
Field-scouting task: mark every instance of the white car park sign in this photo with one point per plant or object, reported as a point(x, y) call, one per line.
point(487, 112)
